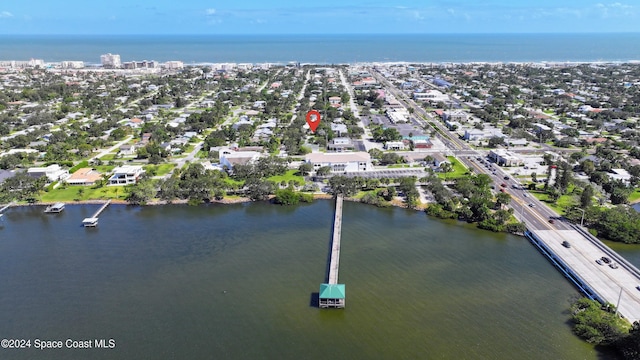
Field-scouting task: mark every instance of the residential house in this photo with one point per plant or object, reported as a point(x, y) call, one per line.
point(229, 157)
point(339, 129)
point(127, 149)
point(125, 175)
point(53, 172)
point(84, 176)
point(5, 174)
point(341, 144)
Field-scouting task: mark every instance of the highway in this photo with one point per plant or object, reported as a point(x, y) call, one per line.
point(571, 248)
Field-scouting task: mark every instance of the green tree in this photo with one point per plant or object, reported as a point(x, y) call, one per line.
point(141, 192)
point(286, 197)
point(587, 196)
point(323, 171)
point(305, 168)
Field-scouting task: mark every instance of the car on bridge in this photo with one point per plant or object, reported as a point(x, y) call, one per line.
point(566, 244)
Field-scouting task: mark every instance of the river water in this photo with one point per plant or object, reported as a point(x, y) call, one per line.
point(237, 282)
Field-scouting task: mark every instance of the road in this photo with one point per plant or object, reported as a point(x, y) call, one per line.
point(610, 284)
point(364, 144)
point(111, 149)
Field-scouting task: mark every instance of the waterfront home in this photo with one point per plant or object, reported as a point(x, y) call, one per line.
point(125, 175)
point(53, 172)
point(229, 157)
point(84, 176)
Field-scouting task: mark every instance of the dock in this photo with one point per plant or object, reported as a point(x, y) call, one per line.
point(55, 208)
point(332, 294)
point(5, 207)
point(93, 220)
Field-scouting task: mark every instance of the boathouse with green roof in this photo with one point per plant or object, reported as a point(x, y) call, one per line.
point(332, 296)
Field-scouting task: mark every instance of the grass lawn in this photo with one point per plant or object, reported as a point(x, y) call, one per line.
point(162, 169)
point(103, 169)
point(72, 193)
point(234, 183)
point(563, 203)
point(635, 196)
point(289, 175)
point(459, 170)
point(108, 157)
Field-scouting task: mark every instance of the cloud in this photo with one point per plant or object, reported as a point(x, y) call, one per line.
point(210, 11)
point(5, 14)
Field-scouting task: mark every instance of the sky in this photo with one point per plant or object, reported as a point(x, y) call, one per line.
point(89, 17)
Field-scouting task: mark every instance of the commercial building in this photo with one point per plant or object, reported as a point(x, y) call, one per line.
point(505, 158)
point(341, 162)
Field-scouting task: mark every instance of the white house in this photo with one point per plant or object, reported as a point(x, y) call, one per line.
point(341, 162)
point(53, 172)
point(229, 158)
point(125, 175)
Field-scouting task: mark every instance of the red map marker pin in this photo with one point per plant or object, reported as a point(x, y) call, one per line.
point(313, 120)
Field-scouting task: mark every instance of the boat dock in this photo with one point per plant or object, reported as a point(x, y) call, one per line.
point(332, 294)
point(55, 208)
point(93, 221)
point(5, 207)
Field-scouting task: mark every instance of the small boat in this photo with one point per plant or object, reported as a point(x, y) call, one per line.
point(55, 208)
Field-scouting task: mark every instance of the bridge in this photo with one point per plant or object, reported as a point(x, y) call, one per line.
point(574, 252)
point(332, 294)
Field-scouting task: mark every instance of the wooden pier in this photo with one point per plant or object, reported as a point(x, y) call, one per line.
point(93, 221)
point(332, 294)
point(5, 207)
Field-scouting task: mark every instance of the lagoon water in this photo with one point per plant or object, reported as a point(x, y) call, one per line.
point(236, 282)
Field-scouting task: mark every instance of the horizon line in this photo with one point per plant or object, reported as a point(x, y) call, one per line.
point(333, 34)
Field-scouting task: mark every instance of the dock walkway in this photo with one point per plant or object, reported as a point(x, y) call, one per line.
point(335, 242)
point(93, 220)
point(332, 294)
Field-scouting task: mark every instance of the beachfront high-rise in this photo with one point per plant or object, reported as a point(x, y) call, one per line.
point(111, 61)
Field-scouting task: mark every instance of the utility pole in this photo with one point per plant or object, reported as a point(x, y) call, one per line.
point(582, 219)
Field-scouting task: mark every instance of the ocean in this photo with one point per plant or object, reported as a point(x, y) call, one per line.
point(327, 49)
